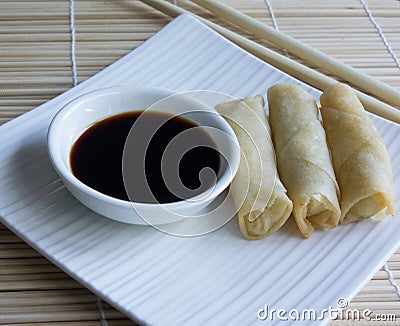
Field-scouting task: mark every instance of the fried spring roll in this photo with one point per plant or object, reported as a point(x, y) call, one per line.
point(303, 158)
point(360, 158)
point(261, 200)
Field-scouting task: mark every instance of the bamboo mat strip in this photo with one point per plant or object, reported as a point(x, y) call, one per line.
point(35, 66)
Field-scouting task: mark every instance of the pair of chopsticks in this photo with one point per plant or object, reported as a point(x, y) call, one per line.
point(297, 70)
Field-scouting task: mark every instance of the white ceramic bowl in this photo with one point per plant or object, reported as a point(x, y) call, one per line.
point(75, 117)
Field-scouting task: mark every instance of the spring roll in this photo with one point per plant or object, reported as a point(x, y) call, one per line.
point(303, 158)
point(258, 194)
point(360, 158)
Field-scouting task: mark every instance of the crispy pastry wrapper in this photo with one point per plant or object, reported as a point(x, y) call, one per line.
point(303, 158)
point(258, 194)
point(360, 158)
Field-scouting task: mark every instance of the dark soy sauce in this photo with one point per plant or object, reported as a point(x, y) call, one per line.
point(96, 157)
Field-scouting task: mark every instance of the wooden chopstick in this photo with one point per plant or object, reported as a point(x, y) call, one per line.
point(297, 70)
point(336, 67)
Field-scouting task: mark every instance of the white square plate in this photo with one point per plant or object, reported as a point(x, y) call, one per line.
point(155, 278)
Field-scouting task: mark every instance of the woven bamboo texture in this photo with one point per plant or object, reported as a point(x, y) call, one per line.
point(35, 66)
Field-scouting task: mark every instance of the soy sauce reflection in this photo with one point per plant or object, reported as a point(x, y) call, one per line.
point(163, 147)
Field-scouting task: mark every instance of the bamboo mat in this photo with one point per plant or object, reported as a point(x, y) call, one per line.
point(35, 66)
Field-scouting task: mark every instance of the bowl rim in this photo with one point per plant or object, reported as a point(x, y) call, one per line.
point(66, 174)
